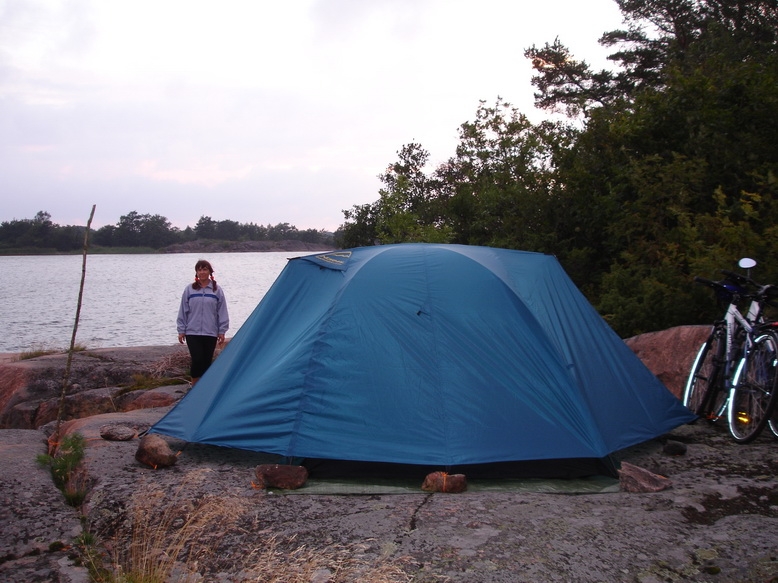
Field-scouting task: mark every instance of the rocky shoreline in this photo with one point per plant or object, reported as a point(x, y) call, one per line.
point(717, 522)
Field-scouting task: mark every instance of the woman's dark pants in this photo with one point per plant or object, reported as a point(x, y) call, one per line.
point(201, 349)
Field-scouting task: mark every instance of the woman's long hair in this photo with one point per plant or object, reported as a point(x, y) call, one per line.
point(200, 264)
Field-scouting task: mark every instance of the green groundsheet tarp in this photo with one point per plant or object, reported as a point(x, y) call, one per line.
point(590, 485)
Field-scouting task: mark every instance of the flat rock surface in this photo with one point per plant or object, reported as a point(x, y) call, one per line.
point(37, 525)
point(718, 521)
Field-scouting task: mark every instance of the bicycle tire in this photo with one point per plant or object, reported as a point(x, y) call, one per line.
point(718, 405)
point(704, 382)
point(753, 395)
point(773, 422)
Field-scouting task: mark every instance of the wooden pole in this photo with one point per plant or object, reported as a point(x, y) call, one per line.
point(66, 377)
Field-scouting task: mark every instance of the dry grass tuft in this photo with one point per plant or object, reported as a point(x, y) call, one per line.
point(37, 351)
point(175, 363)
point(168, 538)
point(42, 350)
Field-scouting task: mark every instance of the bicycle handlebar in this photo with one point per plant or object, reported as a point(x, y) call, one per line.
point(764, 293)
point(739, 278)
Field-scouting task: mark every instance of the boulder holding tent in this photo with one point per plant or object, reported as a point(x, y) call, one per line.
point(431, 356)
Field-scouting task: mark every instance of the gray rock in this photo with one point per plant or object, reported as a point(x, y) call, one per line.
point(115, 432)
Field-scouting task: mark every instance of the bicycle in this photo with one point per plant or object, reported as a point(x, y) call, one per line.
point(709, 383)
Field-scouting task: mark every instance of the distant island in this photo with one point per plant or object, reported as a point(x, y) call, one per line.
point(144, 233)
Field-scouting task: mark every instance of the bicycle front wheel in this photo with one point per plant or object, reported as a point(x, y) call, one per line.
point(704, 391)
point(753, 395)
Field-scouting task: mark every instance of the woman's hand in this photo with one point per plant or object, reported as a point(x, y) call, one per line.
point(181, 338)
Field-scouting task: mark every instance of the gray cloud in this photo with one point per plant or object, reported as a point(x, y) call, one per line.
point(250, 111)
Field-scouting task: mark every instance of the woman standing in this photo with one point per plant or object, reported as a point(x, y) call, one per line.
point(202, 318)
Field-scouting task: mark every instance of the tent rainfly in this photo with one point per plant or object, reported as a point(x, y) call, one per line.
point(445, 356)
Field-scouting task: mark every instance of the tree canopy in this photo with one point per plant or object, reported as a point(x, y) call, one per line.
point(666, 168)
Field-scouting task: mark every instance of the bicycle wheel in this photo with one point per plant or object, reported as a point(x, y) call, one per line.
point(753, 396)
point(704, 393)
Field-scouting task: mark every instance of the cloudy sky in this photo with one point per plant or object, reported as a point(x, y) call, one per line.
point(252, 110)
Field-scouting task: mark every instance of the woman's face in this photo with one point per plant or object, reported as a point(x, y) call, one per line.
point(203, 273)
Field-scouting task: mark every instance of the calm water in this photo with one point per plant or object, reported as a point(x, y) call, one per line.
point(129, 300)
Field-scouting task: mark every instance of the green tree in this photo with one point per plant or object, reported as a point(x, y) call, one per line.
point(496, 191)
point(658, 35)
point(253, 232)
point(105, 236)
point(503, 179)
point(205, 228)
point(12, 231)
point(360, 228)
point(669, 171)
point(140, 230)
point(67, 238)
point(281, 232)
point(682, 174)
point(227, 230)
point(409, 209)
point(128, 230)
point(157, 232)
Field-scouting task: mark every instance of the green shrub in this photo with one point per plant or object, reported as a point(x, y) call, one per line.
point(65, 468)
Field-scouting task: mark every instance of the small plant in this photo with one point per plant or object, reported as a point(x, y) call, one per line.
point(86, 538)
point(90, 557)
point(76, 487)
point(65, 468)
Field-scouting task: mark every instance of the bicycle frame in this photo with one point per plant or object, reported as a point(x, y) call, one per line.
point(735, 320)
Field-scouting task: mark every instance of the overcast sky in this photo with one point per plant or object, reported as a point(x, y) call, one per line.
point(252, 110)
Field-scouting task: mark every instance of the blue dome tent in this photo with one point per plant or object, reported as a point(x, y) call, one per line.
point(445, 356)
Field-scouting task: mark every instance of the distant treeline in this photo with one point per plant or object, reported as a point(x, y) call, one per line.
point(142, 230)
